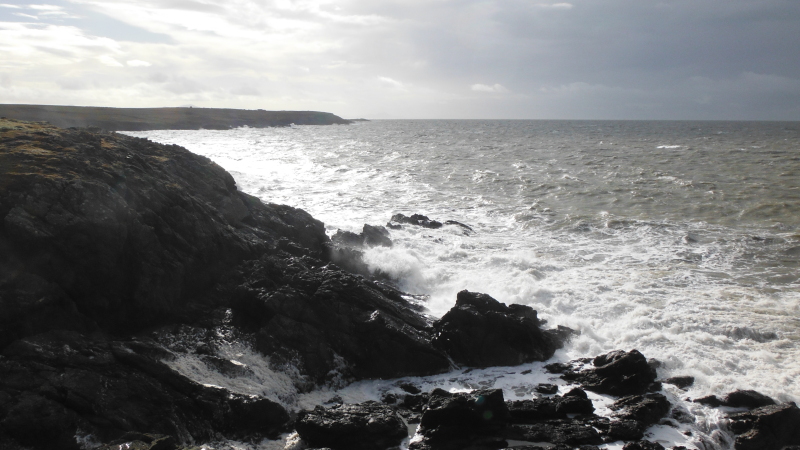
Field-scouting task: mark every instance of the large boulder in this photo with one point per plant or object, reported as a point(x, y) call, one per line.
point(645, 409)
point(462, 420)
point(479, 331)
point(742, 398)
point(364, 426)
point(767, 428)
point(333, 323)
point(616, 373)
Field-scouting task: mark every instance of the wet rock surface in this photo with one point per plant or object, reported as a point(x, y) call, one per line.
point(364, 426)
point(462, 420)
point(767, 427)
point(616, 373)
point(738, 399)
point(61, 384)
point(479, 331)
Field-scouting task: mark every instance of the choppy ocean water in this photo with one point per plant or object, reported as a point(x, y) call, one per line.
point(680, 239)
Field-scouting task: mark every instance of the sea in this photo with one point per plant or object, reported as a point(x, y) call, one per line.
point(679, 239)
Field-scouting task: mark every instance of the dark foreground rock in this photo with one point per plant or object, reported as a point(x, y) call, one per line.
point(767, 428)
point(463, 420)
point(616, 373)
point(479, 331)
point(61, 384)
point(365, 426)
point(738, 399)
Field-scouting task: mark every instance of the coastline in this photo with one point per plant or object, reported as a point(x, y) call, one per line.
point(95, 186)
point(184, 118)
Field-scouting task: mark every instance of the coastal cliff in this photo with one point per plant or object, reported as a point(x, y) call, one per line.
point(138, 119)
point(120, 254)
point(120, 257)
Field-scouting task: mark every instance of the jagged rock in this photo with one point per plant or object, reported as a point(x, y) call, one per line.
point(558, 447)
point(710, 400)
point(142, 441)
point(556, 432)
point(738, 399)
point(60, 382)
point(326, 319)
point(616, 373)
point(545, 388)
point(111, 232)
point(646, 409)
point(682, 382)
point(479, 331)
point(370, 236)
point(531, 411)
point(410, 388)
point(415, 219)
point(365, 426)
point(462, 420)
point(747, 399)
point(767, 427)
point(643, 445)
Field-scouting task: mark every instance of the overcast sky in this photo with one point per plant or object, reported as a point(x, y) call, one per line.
point(512, 59)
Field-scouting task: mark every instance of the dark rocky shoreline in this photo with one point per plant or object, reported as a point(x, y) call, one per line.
point(120, 254)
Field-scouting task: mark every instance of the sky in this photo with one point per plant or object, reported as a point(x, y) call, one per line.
point(411, 59)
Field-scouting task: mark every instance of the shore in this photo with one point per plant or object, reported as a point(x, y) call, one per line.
point(126, 261)
point(139, 119)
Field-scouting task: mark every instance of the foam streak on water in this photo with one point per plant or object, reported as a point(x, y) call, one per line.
point(680, 239)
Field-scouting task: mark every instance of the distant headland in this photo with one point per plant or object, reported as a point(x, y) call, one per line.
point(186, 118)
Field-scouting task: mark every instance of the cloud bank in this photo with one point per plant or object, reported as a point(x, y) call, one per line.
point(616, 59)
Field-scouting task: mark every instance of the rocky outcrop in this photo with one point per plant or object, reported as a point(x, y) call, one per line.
point(616, 373)
point(461, 420)
point(370, 236)
point(479, 331)
point(112, 233)
point(61, 384)
point(365, 426)
point(767, 427)
point(323, 318)
point(119, 254)
point(738, 399)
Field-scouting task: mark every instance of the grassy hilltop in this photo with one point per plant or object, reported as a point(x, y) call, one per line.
point(140, 119)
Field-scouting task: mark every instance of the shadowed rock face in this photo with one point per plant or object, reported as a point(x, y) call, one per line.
point(479, 331)
point(112, 232)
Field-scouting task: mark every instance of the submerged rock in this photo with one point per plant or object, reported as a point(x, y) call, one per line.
point(364, 426)
point(681, 382)
point(738, 399)
point(479, 331)
point(415, 219)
